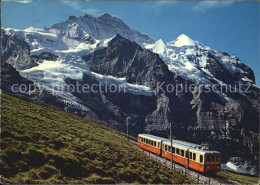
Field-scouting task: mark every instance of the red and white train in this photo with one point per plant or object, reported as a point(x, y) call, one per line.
point(188, 154)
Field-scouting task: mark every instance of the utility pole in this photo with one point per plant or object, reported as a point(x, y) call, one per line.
point(127, 124)
point(171, 143)
point(106, 122)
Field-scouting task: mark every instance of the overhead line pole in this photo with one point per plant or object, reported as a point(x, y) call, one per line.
point(127, 125)
point(171, 143)
point(127, 133)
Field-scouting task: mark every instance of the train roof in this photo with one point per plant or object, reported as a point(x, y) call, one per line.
point(182, 144)
point(191, 146)
point(152, 137)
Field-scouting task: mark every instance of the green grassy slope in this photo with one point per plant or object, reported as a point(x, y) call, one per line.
point(42, 144)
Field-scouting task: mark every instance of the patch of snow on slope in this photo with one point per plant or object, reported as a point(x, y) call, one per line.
point(237, 168)
point(122, 85)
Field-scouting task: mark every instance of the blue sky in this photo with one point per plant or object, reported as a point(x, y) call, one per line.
point(233, 27)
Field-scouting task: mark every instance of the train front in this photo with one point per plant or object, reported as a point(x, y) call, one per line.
point(212, 162)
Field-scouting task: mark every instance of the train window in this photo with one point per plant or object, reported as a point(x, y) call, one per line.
point(169, 148)
point(173, 149)
point(213, 158)
point(190, 155)
point(201, 158)
point(194, 156)
point(187, 154)
point(146, 141)
point(152, 143)
point(216, 158)
point(207, 158)
point(165, 147)
point(142, 139)
point(159, 145)
point(182, 152)
point(178, 151)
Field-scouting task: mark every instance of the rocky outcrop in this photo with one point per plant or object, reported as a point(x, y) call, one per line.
point(220, 73)
point(17, 53)
point(124, 58)
point(45, 56)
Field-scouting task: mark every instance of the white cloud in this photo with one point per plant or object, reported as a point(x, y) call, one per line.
point(206, 5)
point(157, 6)
point(19, 1)
point(165, 3)
point(77, 6)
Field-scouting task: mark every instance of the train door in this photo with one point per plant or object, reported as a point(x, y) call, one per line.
point(160, 147)
point(188, 157)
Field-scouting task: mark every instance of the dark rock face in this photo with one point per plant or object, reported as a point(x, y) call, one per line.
point(17, 53)
point(111, 107)
point(9, 77)
point(124, 58)
point(45, 56)
point(219, 72)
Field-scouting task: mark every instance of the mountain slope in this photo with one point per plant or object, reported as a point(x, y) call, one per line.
point(42, 144)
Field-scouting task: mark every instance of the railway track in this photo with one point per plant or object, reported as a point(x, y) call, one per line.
point(196, 176)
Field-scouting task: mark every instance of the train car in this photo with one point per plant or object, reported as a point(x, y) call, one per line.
point(150, 143)
point(191, 155)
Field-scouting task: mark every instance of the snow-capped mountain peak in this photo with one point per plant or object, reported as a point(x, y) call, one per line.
point(109, 17)
point(194, 61)
point(100, 28)
point(183, 40)
point(158, 47)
